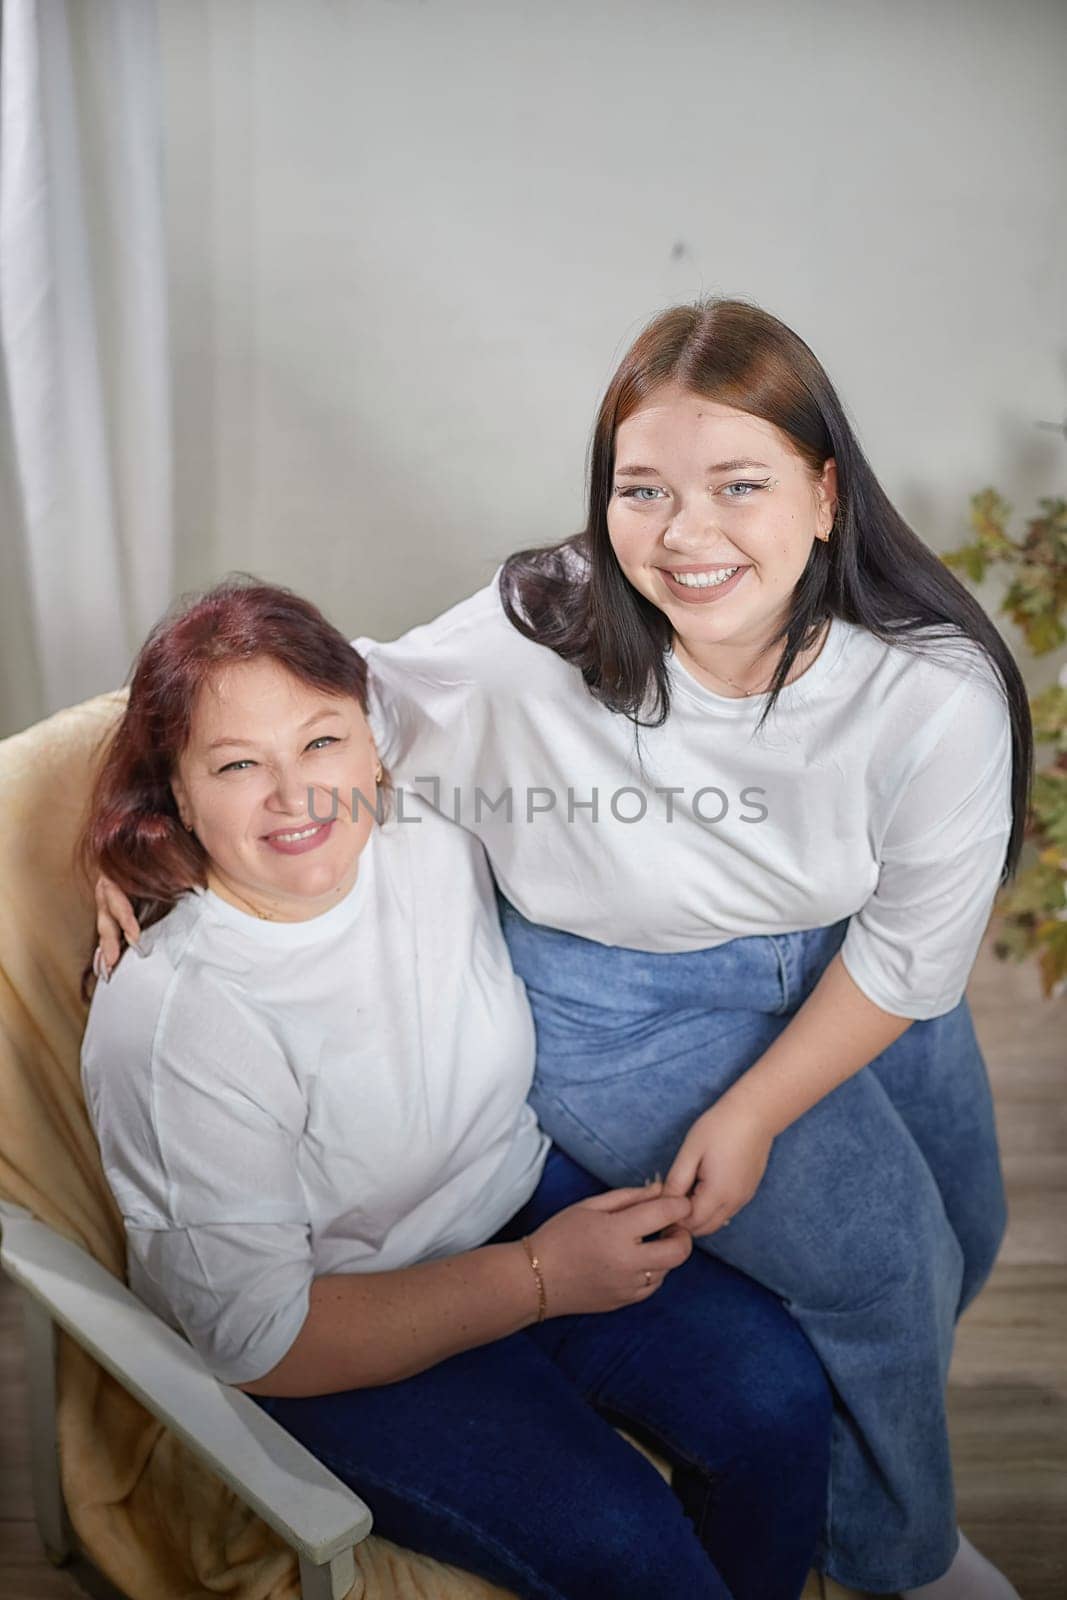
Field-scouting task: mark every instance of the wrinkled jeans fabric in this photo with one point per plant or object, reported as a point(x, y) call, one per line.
point(503, 1460)
point(878, 1218)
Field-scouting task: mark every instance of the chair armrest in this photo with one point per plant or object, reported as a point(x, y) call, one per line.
point(313, 1511)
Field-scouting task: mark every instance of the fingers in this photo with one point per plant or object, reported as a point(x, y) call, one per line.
point(122, 912)
point(107, 933)
point(721, 1218)
point(709, 1215)
point(621, 1199)
point(669, 1251)
point(114, 915)
point(649, 1216)
point(683, 1173)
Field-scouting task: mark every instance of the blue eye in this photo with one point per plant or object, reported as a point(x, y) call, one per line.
point(648, 494)
point(322, 742)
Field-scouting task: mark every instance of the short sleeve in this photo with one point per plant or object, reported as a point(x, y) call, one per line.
point(911, 947)
point(426, 704)
point(239, 1293)
point(202, 1160)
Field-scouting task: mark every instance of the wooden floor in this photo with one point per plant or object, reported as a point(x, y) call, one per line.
point(1008, 1391)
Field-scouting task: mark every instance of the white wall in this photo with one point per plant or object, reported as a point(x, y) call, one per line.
point(409, 239)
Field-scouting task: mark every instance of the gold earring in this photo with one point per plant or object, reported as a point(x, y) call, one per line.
point(378, 774)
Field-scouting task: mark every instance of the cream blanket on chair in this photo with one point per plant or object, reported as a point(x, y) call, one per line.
point(156, 1522)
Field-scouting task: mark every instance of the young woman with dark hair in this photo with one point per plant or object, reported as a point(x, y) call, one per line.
point(749, 765)
point(310, 1099)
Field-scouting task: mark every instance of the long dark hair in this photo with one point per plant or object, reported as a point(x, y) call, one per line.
point(873, 571)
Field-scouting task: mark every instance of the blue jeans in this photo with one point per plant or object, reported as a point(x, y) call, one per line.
point(503, 1460)
point(878, 1218)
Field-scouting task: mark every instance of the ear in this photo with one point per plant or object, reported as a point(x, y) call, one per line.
point(826, 493)
point(181, 799)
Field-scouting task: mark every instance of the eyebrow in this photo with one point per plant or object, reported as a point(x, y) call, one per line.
point(720, 466)
point(319, 716)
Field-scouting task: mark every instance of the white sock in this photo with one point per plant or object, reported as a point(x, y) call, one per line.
point(970, 1577)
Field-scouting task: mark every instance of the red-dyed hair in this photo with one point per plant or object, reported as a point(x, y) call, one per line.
point(133, 833)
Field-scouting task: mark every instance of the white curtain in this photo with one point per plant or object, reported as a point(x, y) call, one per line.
point(85, 436)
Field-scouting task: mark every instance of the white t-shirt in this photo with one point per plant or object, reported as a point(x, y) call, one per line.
point(878, 790)
point(276, 1102)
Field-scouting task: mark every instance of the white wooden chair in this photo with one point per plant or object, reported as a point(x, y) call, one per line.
point(319, 1517)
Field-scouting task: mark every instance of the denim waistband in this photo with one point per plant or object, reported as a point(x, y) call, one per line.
point(772, 972)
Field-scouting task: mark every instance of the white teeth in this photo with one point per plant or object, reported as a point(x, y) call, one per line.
point(291, 838)
point(704, 580)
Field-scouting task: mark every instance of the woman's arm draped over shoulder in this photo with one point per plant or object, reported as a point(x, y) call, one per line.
point(427, 700)
point(427, 713)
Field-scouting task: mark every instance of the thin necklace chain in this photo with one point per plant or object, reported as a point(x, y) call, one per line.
point(746, 692)
point(264, 916)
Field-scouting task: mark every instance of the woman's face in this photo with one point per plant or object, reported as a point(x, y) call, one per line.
point(266, 756)
point(700, 489)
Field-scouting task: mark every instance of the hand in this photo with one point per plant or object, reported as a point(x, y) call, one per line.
point(114, 915)
point(594, 1255)
point(720, 1164)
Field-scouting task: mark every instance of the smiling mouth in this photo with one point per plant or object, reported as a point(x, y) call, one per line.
point(702, 577)
point(298, 841)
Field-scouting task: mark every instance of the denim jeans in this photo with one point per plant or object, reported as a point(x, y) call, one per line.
point(503, 1460)
point(878, 1218)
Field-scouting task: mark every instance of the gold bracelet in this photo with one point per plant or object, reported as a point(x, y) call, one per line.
point(542, 1305)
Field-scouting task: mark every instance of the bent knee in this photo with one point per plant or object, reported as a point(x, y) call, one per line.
point(786, 1422)
point(981, 1247)
point(913, 1259)
point(630, 1538)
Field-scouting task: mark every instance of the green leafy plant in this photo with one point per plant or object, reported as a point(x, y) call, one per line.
point(1032, 910)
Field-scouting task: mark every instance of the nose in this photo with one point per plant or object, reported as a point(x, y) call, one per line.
point(289, 797)
point(688, 529)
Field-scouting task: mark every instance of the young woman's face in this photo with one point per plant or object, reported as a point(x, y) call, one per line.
point(699, 490)
point(266, 756)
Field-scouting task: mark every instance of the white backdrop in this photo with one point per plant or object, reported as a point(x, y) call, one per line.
point(85, 436)
point(407, 240)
